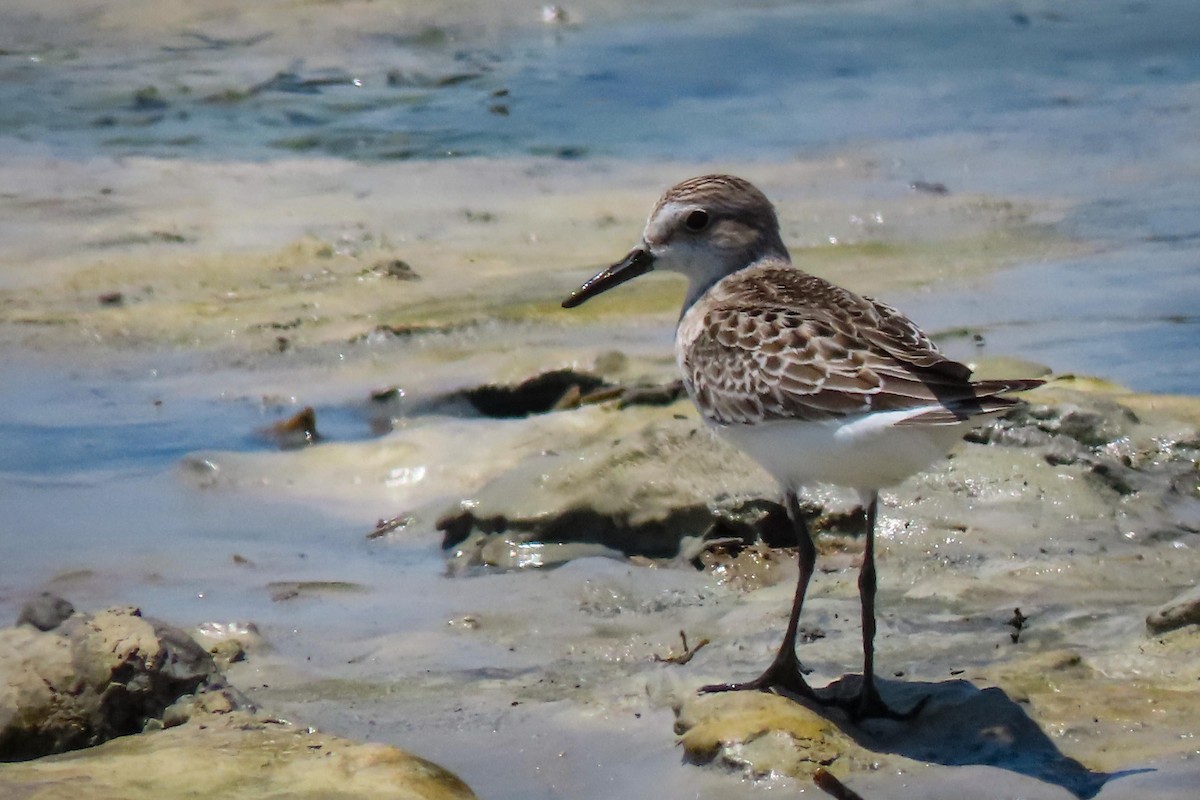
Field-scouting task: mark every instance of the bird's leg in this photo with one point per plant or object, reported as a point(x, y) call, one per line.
point(869, 703)
point(784, 672)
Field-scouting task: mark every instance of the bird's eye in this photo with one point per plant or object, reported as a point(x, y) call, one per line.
point(697, 220)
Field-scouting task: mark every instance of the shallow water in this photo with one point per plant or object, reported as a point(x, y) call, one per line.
point(1092, 109)
point(1130, 317)
point(1097, 106)
point(695, 82)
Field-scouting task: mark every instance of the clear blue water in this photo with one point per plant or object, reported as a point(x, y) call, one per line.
point(59, 423)
point(1130, 317)
point(736, 83)
point(92, 483)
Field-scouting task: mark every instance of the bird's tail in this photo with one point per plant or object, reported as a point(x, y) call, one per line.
point(989, 398)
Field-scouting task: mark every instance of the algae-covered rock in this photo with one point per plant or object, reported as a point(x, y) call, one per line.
point(85, 684)
point(95, 677)
point(956, 724)
point(233, 755)
point(762, 734)
point(653, 482)
point(638, 488)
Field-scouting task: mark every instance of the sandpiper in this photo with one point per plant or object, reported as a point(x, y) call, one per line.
point(816, 383)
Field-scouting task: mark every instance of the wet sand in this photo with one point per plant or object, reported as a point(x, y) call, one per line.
point(527, 683)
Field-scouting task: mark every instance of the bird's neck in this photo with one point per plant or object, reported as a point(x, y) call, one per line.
point(697, 286)
point(701, 281)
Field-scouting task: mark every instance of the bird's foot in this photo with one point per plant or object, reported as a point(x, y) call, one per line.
point(867, 704)
point(783, 676)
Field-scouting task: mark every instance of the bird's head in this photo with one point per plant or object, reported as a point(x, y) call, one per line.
point(704, 228)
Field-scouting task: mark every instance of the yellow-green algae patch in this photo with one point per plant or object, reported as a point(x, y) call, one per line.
point(308, 293)
point(1093, 707)
point(295, 253)
point(233, 755)
point(766, 734)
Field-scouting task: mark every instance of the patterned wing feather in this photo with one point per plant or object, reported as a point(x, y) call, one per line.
point(775, 342)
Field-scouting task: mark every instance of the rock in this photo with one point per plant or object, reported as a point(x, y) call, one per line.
point(45, 612)
point(610, 362)
point(228, 642)
point(1039, 674)
point(751, 568)
point(1095, 427)
point(298, 430)
point(536, 395)
point(94, 678)
point(523, 541)
point(761, 734)
point(665, 489)
point(958, 725)
point(754, 520)
point(556, 390)
point(512, 553)
point(397, 269)
point(236, 754)
point(642, 494)
point(1182, 610)
point(1143, 462)
point(1092, 422)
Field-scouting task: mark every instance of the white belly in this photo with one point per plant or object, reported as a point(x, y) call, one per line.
point(866, 452)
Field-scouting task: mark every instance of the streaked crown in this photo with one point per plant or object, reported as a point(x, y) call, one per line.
point(711, 226)
point(705, 228)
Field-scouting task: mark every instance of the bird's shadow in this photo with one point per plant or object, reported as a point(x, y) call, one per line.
point(961, 724)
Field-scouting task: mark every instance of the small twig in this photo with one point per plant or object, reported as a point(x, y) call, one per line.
point(570, 399)
point(685, 656)
point(602, 395)
point(1017, 623)
point(385, 526)
point(827, 783)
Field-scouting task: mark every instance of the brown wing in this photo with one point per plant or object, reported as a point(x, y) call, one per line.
point(780, 343)
point(900, 336)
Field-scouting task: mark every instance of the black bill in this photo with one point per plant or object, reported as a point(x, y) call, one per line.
point(638, 262)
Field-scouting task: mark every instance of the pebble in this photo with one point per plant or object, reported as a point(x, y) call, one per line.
point(1183, 610)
